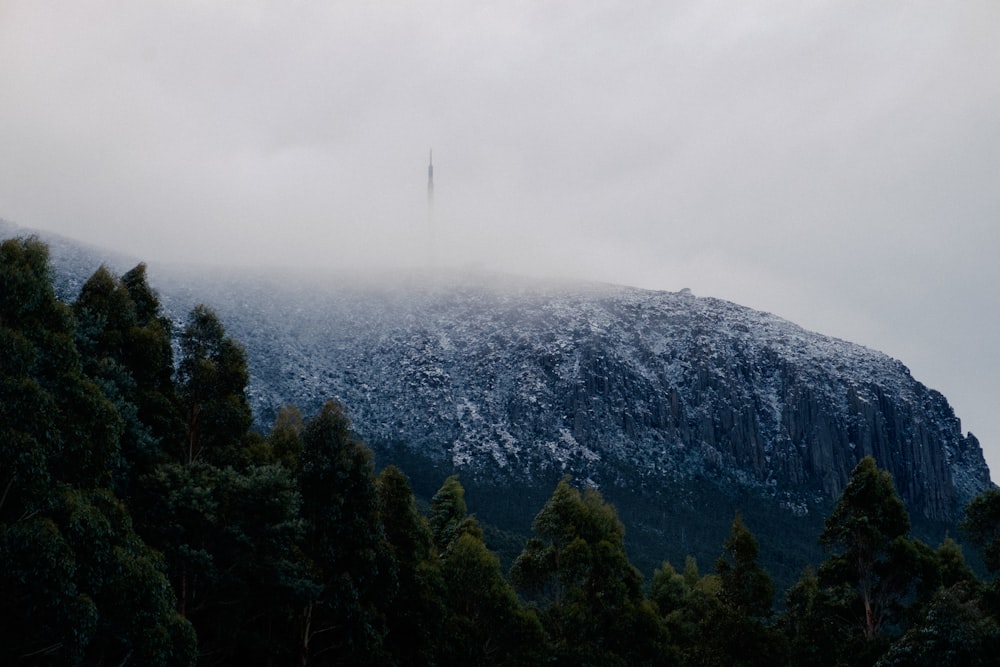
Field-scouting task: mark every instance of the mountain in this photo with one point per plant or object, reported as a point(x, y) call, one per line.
point(681, 409)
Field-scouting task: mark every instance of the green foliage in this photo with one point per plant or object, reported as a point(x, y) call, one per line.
point(485, 621)
point(592, 595)
point(415, 617)
point(449, 518)
point(690, 622)
point(874, 583)
point(982, 525)
point(78, 584)
point(46, 614)
point(571, 526)
point(952, 566)
point(956, 630)
point(127, 351)
point(867, 533)
point(231, 540)
point(55, 424)
point(669, 589)
point(344, 541)
point(746, 587)
point(722, 618)
point(487, 624)
point(805, 623)
point(285, 438)
point(126, 582)
point(212, 379)
point(868, 515)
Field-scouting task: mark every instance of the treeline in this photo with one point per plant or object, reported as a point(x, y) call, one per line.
point(143, 521)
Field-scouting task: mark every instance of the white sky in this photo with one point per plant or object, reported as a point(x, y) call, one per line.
point(834, 162)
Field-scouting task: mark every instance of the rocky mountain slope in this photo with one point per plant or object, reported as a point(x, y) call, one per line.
point(674, 405)
point(501, 377)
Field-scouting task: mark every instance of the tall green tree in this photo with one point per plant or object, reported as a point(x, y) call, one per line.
point(149, 357)
point(285, 438)
point(346, 543)
point(981, 524)
point(668, 589)
point(486, 624)
point(184, 497)
point(212, 379)
point(736, 631)
point(865, 533)
point(594, 607)
point(746, 586)
point(233, 538)
point(415, 617)
point(807, 623)
point(449, 515)
point(126, 350)
point(261, 579)
point(874, 574)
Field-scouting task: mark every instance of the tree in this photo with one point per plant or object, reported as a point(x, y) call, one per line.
point(865, 532)
point(415, 617)
point(232, 538)
point(149, 357)
point(668, 589)
point(746, 587)
point(736, 631)
point(449, 515)
point(486, 623)
point(952, 566)
point(345, 543)
point(956, 630)
point(595, 610)
point(807, 623)
point(982, 526)
point(285, 438)
point(126, 350)
point(875, 577)
point(262, 580)
point(212, 380)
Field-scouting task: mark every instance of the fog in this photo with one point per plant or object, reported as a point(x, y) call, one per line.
point(836, 163)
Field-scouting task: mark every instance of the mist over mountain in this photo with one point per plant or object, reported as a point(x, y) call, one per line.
point(681, 409)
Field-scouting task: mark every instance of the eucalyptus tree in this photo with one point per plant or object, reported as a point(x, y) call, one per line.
point(737, 631)
point(416, 614)
point(350, 560)
point(486, 623)
point(874, 575)
point(211, 381)
point(592, 599)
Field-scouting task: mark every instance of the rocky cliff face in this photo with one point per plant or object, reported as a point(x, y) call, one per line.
point(508, 379)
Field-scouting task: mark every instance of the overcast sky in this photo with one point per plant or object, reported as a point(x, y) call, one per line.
point(834, 162)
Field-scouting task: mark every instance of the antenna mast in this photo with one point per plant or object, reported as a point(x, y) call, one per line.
point(430, 240)
point(430, 181)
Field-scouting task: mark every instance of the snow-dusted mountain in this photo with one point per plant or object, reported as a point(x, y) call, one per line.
point(667, 401)
point(504, 377)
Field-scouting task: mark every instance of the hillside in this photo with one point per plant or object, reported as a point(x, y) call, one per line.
point(681, 409)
